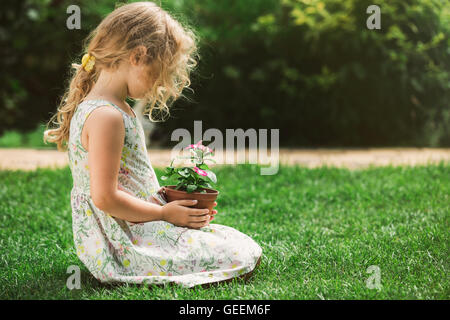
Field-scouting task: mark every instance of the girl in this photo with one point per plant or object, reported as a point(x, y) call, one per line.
point(121, 232)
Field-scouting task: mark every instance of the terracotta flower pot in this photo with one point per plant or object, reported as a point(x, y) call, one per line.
point(205, 200)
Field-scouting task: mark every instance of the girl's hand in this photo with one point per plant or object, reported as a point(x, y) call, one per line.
point(159, 197)
point(176, 213)
point(214, 212)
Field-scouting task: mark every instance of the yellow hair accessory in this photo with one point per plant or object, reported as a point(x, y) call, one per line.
point(87, 62)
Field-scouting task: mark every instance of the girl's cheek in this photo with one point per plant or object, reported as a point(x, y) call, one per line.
point(136, 88)
point(143, 84)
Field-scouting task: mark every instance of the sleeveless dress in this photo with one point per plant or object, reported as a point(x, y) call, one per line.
point(116, 250)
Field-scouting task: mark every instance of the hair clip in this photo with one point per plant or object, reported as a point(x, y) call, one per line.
point(87, 62)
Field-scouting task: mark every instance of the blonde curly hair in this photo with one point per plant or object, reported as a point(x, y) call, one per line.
point(170, 46)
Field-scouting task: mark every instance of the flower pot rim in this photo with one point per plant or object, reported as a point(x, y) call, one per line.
point(172, 188)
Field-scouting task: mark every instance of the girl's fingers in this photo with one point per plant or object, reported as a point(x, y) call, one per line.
point(185, 202)
point(198, 212)
point(195, 219)
point(214, 212)
point(215, 204)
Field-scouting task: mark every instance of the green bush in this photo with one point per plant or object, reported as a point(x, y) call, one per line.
point(37, 50)
point(313, 69)
point(31, 139)
point(308, 67)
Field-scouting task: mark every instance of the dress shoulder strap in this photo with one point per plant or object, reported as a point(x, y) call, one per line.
point(93, 104)
point(83, 111)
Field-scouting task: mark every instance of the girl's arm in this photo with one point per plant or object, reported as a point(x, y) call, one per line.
point(106, 133)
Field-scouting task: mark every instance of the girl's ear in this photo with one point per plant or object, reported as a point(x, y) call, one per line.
point(137, 55)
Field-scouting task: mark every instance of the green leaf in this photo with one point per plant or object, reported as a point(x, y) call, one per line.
point(191, 188)
point(211, 175)
point(184, 173)
point(203, 166)
point(164, 178)
point(180, 186)
point(206, 185)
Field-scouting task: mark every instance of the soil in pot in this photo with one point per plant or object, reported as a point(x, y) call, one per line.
point(205, 200)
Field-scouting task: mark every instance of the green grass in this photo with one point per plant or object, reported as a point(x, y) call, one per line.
point(320, 229)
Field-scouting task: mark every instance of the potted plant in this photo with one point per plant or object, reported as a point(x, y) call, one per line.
point(194, 182)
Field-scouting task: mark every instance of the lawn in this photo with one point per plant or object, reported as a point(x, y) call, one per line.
point(320, 230)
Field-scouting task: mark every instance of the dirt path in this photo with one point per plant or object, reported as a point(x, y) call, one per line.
point(30, 159)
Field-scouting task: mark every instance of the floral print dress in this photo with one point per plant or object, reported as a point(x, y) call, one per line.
point(115, 250)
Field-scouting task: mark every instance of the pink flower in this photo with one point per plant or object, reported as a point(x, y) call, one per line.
point(200, 171)
point(199, 145)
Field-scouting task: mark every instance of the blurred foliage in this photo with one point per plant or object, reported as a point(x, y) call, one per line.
point(29, 139)
point(36, 52)
point(308, 67)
